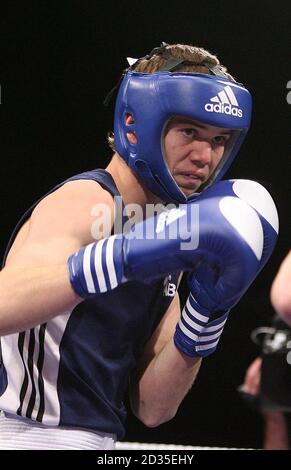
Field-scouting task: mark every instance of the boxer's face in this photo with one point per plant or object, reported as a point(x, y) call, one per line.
point(193, 150)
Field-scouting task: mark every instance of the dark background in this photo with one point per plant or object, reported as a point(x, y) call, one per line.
point(57, 62)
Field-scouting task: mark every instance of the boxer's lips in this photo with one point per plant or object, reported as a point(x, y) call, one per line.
point(189, 179)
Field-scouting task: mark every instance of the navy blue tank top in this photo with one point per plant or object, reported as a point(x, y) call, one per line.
point(74, 370)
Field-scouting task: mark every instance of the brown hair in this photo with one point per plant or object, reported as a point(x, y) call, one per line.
point(195, 59)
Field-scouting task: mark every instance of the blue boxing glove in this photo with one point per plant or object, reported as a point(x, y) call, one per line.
point(174, 241)
point(213, 291)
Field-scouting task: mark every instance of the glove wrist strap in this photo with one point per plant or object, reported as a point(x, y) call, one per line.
point(196, 334)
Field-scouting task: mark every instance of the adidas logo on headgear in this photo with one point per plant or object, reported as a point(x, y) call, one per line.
point(224, 102)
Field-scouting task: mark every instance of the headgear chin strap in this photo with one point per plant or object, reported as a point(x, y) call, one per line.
point(153, 99)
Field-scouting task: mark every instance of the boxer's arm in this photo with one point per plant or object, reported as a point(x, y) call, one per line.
point(164, 375)
point(281, 290)
point(34, 285)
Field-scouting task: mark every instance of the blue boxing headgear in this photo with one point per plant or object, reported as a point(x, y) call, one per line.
point(153, 99)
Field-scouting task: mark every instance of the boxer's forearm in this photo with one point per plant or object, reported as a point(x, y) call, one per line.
point(155, 398)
